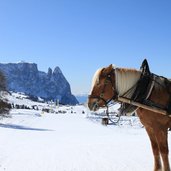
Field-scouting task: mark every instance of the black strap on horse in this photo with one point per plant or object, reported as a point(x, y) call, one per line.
point(141, 88)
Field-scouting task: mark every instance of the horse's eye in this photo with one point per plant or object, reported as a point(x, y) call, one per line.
point(106, 82)
point(101, 95)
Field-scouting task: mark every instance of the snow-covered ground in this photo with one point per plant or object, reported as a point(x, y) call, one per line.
point(32, 140)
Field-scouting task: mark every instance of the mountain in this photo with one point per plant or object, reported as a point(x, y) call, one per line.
point(25, 77)
point(82, 98)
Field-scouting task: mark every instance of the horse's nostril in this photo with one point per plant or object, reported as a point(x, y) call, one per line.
point(92, 105)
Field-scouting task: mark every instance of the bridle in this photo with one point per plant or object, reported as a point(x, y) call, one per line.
point(108, 80)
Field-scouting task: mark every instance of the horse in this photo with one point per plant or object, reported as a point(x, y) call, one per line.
point(111, 82)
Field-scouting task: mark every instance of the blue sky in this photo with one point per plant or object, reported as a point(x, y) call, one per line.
point(80, 36)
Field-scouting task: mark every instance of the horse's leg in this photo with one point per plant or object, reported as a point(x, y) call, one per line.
point(155, 148)
point(161, 136)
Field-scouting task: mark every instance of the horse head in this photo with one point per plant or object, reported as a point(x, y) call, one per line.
point(103, 88)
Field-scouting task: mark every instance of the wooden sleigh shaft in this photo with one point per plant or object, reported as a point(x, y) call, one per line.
point(151, 108)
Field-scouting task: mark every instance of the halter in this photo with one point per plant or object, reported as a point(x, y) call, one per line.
point(100, 97)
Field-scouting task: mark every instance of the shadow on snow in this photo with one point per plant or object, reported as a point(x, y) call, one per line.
point(20, 127)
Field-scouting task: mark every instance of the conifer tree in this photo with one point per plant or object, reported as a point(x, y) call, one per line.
point(4, 105)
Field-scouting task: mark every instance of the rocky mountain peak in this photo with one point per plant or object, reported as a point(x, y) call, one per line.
point(25, 65)
point(49, 72)
point(57, 71)
point(25, 77)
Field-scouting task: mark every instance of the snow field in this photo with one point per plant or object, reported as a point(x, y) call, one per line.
point(32, 140)
point(70, 142)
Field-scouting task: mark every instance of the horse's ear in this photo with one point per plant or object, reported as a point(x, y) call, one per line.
point(108, 69)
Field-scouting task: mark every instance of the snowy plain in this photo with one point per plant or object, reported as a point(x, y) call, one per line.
point(32, 140)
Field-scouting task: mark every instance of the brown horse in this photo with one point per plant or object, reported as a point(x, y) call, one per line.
point(109, 83)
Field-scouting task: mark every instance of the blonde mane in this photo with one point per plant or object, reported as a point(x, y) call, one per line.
point(126, 79)
point(95, 78)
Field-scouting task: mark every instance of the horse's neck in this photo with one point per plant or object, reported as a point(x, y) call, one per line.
point(126, 79)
